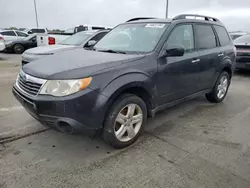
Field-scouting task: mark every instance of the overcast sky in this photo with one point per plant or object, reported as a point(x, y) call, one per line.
point(63, 14)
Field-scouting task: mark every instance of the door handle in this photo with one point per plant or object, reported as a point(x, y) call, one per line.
point(221, 54)
point(196, 60)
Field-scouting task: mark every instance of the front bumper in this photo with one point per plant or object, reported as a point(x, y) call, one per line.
point(81, 110)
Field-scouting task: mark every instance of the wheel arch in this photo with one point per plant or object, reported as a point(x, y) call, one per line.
point(134, 83)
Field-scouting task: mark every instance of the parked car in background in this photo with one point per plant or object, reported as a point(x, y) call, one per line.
point(136, 70)
point(55, 38)
point(84, 39)
point(11, 35)
point(35, 30)
point(19, 46)
point(237, 35)
point(242, 45)
point(2, 45)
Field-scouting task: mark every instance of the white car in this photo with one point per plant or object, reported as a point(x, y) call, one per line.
point(84, 39)
point(2, 45)
point(44, 39)
point(11, 35)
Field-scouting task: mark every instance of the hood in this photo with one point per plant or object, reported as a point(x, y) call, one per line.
point(77, 63)
point(49, 49)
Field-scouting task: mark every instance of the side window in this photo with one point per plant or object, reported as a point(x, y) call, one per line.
point(205, 37)
point(99, 36)
point(222, 34)
point(182, 35)
point(20, 34)
point(8, 33)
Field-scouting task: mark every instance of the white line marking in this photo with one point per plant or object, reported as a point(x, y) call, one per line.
point(11, 108)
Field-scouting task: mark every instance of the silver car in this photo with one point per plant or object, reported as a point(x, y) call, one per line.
point(84, 39)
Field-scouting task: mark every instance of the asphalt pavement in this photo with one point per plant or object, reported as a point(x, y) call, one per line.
point(193, 145)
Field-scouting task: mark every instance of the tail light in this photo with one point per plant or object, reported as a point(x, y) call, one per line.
point(52, 41)
point(235, 51)
point(1, 38)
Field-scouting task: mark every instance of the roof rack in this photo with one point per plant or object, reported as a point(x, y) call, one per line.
point(196, 16)
point(139, 18)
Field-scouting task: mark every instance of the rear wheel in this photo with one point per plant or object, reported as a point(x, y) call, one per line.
point(220, 88)
point(124, 122)
point(18, 49)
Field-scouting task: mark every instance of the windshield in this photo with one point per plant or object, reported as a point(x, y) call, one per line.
point(243, 39)
point(139, 37)
point(76, 39)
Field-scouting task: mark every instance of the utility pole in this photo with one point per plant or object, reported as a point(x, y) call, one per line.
point(36, 13)
point(167, 8)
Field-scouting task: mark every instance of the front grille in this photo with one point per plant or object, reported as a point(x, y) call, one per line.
point(29, 84)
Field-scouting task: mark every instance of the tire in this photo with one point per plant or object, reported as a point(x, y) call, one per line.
point(18, 49)
point(214, 96)
point(117, 131)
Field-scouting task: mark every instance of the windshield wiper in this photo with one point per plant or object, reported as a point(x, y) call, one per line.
point(111, 51)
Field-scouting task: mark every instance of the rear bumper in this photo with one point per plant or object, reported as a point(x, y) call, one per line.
point(2, 46)
point(242, 65)
point(79, 110)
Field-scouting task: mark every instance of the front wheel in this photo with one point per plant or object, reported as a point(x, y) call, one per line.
point(220, 88)
point(18, 49)
point(124, 122)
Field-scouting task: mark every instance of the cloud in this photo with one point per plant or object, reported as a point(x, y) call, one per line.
point(68, 13)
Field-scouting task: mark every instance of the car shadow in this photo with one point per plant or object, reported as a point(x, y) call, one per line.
point(244, 73)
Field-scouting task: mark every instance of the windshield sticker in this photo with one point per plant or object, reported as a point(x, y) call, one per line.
point(152, 25)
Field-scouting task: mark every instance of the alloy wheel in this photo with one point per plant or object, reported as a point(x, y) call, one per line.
point(128, 122)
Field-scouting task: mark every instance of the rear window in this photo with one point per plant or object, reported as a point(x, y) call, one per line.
point(38, 30)
point(8, 33)
point(205, 37)
point(223, 36)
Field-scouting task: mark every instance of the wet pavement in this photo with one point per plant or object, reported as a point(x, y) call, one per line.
point(193, 145)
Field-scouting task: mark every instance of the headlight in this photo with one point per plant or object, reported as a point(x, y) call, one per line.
point(64, 87)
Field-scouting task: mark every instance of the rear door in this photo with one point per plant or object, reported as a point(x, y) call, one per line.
point(9, 35)
point(227, 47)
point(209, 52)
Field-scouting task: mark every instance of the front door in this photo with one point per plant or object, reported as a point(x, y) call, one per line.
point(178, 76)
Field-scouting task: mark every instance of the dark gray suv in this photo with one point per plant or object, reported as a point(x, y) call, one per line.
point(139, 68)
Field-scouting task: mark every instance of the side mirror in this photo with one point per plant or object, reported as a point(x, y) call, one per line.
point(33, 40)
point(174, 51)
point(91, 43)
point(29, 32)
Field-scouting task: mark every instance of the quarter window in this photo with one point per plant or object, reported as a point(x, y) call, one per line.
point(182, 35)
point(222, 34)
point(205, 37)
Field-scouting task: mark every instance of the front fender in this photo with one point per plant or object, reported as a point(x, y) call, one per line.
point(129, 80)
point(118, 85)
